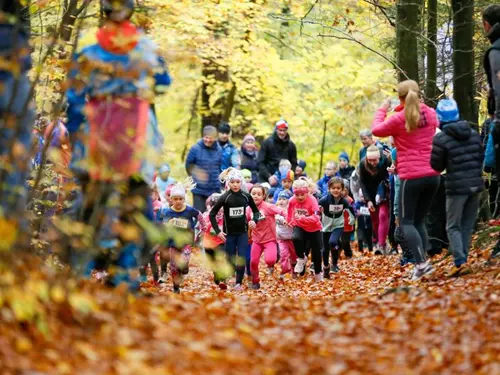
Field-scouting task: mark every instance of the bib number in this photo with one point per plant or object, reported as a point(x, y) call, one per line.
point(300, 212)
point(336, 208)
point(364, 211)
point(235, 212)
point(179, 223)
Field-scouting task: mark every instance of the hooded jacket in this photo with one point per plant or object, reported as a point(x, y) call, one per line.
point(249, 161)
point(457, 148)
point(203, 164)
point(414, 148)
point(370, 182)
point(272, 151)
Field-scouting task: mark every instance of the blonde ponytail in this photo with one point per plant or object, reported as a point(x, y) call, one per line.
point(410, 93)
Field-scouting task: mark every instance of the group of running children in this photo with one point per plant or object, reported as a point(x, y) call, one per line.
point(247, 220)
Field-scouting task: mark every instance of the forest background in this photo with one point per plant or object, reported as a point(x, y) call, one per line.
point(324, 66)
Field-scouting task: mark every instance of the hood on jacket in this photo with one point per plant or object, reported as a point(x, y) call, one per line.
point(494, 33)
point(118, 38)
point(459, 130)
point(278, 139)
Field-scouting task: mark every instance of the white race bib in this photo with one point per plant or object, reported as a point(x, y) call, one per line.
point(179, 222)
point(301, 212)
point(336, 208)
point(235, 212)
point(364, 211)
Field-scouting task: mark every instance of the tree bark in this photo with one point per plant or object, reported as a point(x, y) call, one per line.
point(407, 30)
point(431, 77)
point(463, 59)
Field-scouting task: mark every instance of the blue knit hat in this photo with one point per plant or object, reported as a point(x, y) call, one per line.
point(343, 155)
point(285, 194)
point(164, 168)
point(302, 164)
point(447, 111)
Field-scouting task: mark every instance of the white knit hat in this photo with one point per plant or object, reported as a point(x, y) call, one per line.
point(372, 152)
point(178, 191)
point(234, 174)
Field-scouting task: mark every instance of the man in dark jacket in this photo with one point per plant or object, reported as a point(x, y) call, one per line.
point(230, 154)
point(458, 149)
point(203, 164)
point(491, 23)
point(276, 147)
point(15, 102)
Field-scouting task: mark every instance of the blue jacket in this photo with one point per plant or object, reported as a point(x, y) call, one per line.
point(323, 185)
point(230, 156)
point(489, 157)
point(209, 161)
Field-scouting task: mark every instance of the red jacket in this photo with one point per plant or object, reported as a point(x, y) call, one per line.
point(414, 149)
point(308, 214)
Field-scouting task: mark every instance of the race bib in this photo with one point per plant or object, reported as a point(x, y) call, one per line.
point(364, 211)
point(179, 223)
point(235, 212)
point(300, 212)
point(336, 208)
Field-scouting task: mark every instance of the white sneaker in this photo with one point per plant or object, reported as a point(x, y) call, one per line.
point(270, 271)
point(318, 277)
point(301, 263)
point(419, 272)
point(237, 287)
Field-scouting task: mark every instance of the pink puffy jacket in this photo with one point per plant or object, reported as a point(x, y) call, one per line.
point(414, 149)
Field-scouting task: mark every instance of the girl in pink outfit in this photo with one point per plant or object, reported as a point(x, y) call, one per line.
point(263, 234)
point(413, 128)
point(284, 232)
point(304, 215)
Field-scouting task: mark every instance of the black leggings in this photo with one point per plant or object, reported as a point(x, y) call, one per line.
point(302, 240)
point(416, 198)
point(331, 244)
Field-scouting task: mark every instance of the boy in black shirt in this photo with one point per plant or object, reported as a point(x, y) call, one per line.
point(235, 232)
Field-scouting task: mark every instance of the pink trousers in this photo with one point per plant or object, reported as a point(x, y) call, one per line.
point(270, 250)
point(288, 258)
point(380, 222)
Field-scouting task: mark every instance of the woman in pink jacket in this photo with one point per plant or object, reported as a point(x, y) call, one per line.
point(413, 128)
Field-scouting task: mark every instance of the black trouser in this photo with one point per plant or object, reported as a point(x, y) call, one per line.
point(435, 221)
point(302, 240)
point(365, 236)
point(332, 242)
point(345, 241)
point(200, 202)
point(212, 255)
point(494, 197)
point(416, 198)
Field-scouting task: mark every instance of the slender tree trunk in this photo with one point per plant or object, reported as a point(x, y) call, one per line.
point(430, 86)
point(407, 30)
point(69, 18)
point(463, 59)
point(323, 142)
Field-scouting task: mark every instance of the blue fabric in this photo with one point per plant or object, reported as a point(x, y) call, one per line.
point(14, 44)
point(343, 155)
point(162, 185)
point(335, 238)
point(280, 190)
point(323, 185)
point(230, 156)
point(447, 111)
point(236, 248)
point(209, 161)
point(490, 157)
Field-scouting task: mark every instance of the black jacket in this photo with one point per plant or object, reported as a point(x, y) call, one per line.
point(235, 208)
point(272, 151)
point(346, 172)
point(458, 149)
point(370, 182)
point(249, 161)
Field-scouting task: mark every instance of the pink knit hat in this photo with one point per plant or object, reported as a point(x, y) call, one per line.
point(248, 138)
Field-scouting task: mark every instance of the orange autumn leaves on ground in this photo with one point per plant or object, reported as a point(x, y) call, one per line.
point(367, 319)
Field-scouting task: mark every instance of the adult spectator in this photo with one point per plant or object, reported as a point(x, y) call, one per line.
point(275, 148)
point(203, 164)
point(413, 128)
point(373, 176)
point(249, 155)
point(345, 170)
point(491, 23)
point(230, 154)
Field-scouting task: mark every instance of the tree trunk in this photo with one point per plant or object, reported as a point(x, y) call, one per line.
point(70, 14)
point(463, 59)
point(431, 76)
point(323, 142)
point(407, 31)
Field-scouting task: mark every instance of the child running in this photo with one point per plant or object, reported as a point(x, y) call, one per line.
point(334, 207)
point(284, 233)
point(303, 215)
point(234, 202)
point(263, 235)
point(183, 218)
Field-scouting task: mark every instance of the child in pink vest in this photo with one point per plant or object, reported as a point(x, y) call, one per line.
point(263, 234)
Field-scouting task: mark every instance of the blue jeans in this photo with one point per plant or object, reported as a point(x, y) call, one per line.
point(14, 98)
point(461, 215)
point(236, 248)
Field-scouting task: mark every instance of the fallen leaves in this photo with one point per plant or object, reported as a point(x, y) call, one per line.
point(366, 319)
